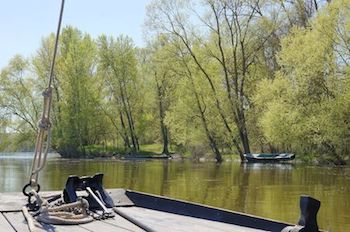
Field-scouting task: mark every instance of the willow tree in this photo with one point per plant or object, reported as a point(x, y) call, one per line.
point(19, 107)
point(305, 106)
point(78, 95)
point(117, 65)
point(161, 68)
point(300, 12)
point(226, 32)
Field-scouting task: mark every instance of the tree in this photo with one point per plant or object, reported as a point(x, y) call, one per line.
point(228, 39)
point(18, 99)
point(161, 71)
point(117, 65)
point(79, 97)
point(302, 103)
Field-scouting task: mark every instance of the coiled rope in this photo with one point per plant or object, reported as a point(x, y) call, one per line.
point(61, 214)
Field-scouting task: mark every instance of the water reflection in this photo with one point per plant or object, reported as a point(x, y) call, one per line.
point(258, 166)
point(268, 190)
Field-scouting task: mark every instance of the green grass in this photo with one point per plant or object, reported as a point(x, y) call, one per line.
point(100, 151)
point(93, 151)
point(154, 148)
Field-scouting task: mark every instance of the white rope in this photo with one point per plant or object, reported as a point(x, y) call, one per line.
point(43, 137)
point(29, 218)
point(44, 133)
point(66, 214)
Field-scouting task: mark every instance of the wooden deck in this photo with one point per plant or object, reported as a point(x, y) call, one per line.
point(12, 219)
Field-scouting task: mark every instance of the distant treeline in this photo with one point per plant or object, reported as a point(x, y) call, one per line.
point(216, 77)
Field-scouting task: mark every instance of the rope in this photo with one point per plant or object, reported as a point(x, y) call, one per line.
point(44, 133)
point(29, 218)
point(65, 214)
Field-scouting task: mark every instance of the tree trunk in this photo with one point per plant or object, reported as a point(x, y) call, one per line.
point(165, 137)
point(125, 136)
point(209, 135)
point(134, 141)
point(163, 127)
point(243, 133)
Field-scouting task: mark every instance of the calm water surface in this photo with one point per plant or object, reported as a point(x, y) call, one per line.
point(266, 190)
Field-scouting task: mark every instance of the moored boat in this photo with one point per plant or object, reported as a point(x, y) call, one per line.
point(269, 157)
point(137, 211)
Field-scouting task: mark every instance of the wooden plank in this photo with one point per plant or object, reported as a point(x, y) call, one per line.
point(67, 228)
point(119, 197)
point(59, 228)
point(122, 222)
point(110, 226)
point(13, 202)
point(195, 210)
point(5, 226)
point(17, 220)
point(162, 221)
point(19, 223)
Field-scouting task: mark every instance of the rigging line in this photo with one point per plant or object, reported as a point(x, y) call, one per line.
point(56, 44)
point(44, 133)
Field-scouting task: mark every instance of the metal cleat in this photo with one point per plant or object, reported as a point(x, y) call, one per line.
point(97, 196)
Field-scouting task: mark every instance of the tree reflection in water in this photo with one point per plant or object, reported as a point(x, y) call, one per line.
point(268, 190)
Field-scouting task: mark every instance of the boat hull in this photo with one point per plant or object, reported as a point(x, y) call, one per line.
point(269, 158)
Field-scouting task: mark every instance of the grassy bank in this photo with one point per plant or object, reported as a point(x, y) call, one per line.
point(101, 151)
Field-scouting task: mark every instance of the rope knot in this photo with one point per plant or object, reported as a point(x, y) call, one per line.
point(44, 123)
point(47, 92)
point(84, 203)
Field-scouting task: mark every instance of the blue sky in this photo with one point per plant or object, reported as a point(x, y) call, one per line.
point(23, 23)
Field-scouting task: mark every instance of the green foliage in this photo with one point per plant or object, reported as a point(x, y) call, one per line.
point(305, 106)
point(117, 67)
point(217, 77)
point(18, 105)
point(79, 97)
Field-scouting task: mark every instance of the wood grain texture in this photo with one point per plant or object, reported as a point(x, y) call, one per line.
point(17, 220)
point(111, 225)
point(5, 226)
point(162, 221)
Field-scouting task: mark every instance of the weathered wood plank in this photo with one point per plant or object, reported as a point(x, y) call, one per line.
point(162, 221)
point(17, 220)
point(122, 222)
point(13, 202)
point(66, 228)
point(5, 226)
point(19, 223)
point(59, 228)
point(110, 225)
point(119, 197)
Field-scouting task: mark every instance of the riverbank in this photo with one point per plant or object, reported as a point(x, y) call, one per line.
point(154, 151)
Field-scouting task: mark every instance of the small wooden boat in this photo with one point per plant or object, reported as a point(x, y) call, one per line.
point(137, 211)
point(269, 157)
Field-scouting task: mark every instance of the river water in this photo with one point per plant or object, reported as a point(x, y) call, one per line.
point(267, 190)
